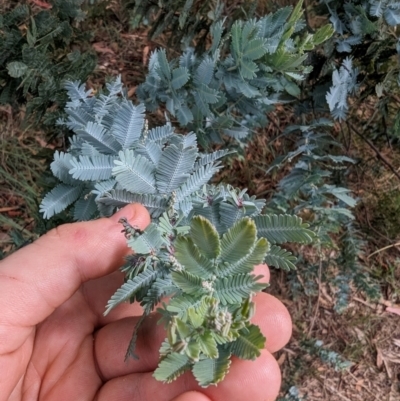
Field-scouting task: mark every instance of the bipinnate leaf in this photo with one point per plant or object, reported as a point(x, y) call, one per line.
point(246, 264)
point(85, 209)
point(255, 49)
point(195, 318)
point(280, 258)
point(184, 115)
point(104, 102)
point(77, 92)
point(282, 228)
point(208, 158)
point(205, 71)
point(134, 172)
point(97, 135)
point(175, 165)
point(128, 124)
point(160, 134)
point(377, 8)
point(161, 287)
point(212, 371)
point(205, 237)
point(58, 199)
point(148, 242)
point(392, 14)
point(230, 213)
point(171, 367)
point(216, 30)
point(249, 343)
point(237, 242)
point(180, 76)
point(155, 204)
point(233, 289)
point(323, 34)
point(61, 166)
point(182, 328)
point(236, 33)
point(129, 288)
point(196, 180)
point(92, 168)
point(180, 305)
point(17, 69)
point(207, 344)
point(188, 283)
point(150, 150)
point(163, 65)
point(189, 256)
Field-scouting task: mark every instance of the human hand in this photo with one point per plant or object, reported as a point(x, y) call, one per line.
point(55, 343)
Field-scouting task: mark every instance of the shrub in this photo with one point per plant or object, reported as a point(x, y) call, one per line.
point(38, 51)
point(114, 159)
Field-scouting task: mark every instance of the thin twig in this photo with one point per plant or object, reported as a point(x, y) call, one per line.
point(306, 16)
point(8, 209)
point(376, 150)
point(361, 301)
point(334, 391)
point(383, 249)
point(319, 296)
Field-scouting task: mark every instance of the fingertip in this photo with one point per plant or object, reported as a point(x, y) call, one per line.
point(274, 320)
point(274, 376)
point(262, 270)
point(191, 396)
point(134, 212)
point(252, 380)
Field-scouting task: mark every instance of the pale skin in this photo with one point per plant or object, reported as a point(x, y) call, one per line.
point(55, 343)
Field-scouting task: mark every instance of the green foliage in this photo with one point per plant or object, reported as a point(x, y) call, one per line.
point(202, 244)
point(186, 19)
point(344, 83)
point(38, 52)
point(364, 38)
point(229, 88)
point(327, 356)
point(310, 184)
point(205, 239)
point(215, 324)
point(292, 395)
point(386, 213)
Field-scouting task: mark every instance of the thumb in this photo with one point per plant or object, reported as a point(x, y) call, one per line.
point(191, 396)
point(40, 277)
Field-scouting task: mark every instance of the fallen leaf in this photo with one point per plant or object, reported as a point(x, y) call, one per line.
point(379, 358)
point(101, 48)
point(42, 4)
point(131, 91)
point(394, 310)
point(281, 359)
point(145, 55)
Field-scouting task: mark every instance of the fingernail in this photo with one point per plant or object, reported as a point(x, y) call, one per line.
point(128, 211)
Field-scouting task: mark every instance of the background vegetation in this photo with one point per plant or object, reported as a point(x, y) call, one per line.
point(333, 160)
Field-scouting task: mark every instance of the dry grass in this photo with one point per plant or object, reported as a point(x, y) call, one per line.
point(21, 167)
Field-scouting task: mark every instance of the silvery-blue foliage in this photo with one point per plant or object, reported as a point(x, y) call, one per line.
point(228, 89)
point(114, 159)
point(202, 243)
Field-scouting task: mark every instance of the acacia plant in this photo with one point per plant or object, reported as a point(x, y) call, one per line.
point(228, 89)
point(39, 50)
point(204, 239)
point(202, 243)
